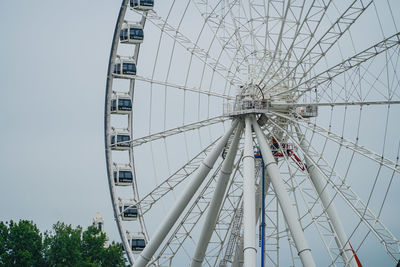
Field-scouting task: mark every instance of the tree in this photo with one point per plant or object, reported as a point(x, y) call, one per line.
point(93, 245)
point(3, 242)
point(62, 246)
point(21, 244)
point(72, 247)
point(95, 252)
point(113, 256)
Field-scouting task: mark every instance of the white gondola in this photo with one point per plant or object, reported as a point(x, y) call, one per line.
point(308, 111)
point(131, 34)
point(128, 210)
point(143, 5)
point(123, 175)
point(120, 139)
point(125, 67)
point(121, 103)
point(137, 242)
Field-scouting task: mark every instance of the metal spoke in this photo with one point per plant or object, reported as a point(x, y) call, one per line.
point(230, 205)
point(177, 86)
point(330, 37)
point(177, 130)
point(344, 66)
point(173, 181)
point(193, 48)
point(218, 25)
point(284, 69)
point(305, 32)
point(189, 220)
point(373, 222)
point(333, 104)
point(362, 150)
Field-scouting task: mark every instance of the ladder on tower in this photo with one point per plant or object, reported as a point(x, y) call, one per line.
point(227, 146)
point(233, 239)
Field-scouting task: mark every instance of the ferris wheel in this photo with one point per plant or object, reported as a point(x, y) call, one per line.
point(255, 132)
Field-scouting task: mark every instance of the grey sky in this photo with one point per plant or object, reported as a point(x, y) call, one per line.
point(53, 63)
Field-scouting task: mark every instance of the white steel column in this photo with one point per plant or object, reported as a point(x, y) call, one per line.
point(172, 216)
point(300, 241)
point(249, 200)
point(320, 186)
point(238, 259)
point(215, 204)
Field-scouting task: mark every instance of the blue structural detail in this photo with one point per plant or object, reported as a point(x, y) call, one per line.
point(257, 155)
point(263, 215)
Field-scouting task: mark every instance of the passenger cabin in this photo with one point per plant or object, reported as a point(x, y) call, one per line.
point(131, 34)
point(143, 5)
point(120, 140)
point(121, 104)
point(123, 176)
point(125, 67)
point(308, 111)
point(138, 244)
point(129, 211)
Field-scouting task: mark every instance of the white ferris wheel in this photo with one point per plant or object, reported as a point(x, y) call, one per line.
point(255, 132)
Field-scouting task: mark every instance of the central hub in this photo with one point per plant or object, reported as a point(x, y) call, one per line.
point(249, 100)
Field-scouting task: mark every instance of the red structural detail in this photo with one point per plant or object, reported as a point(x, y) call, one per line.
point(355, 256)
point(288, 150)
point(298, 161)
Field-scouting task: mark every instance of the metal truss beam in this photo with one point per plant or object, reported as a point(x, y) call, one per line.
point(373, 222)
point(188, 222)
point(380, 159)
point(178, 86)
point(174, 213)
point(192, 48)
point(320, 185)
point(300, 182)
point(332, 104)
point(173, 181)
point(330, 37)
point(231, 203)
point(177, 130)
point(218, 25)
point(304, 34)
point(233, 237)
point(216, 201)
point(273, 172)
point(191, 217)
point(345, 65)
point(339, 185)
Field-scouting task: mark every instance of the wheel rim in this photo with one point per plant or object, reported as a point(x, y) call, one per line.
point(179, 113)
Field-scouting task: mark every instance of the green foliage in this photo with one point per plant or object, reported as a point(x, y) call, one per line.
point(22, 245)
point(62, 246)
point(3, 242)
point(93, 245)
point(113, 256)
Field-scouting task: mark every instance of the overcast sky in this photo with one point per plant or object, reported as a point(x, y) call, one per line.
point(53, 63)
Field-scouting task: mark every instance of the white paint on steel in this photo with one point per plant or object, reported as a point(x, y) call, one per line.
point(172, 216)
point(320, 186)
point(216, 201)
point(292, 221)
point(249, 198)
